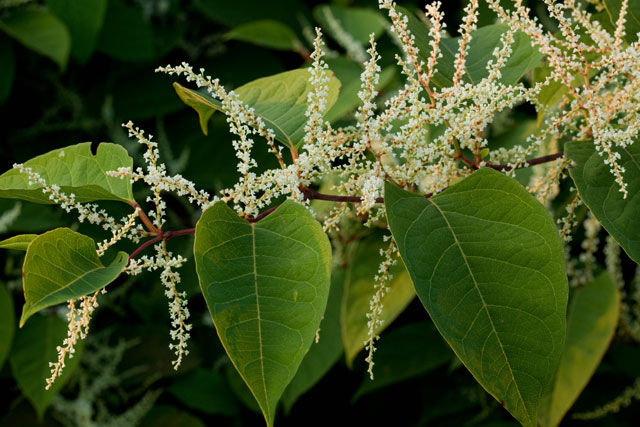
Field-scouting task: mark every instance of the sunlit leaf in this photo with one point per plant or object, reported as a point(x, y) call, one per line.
point(61, 265)
point(76, 170)
point(281, 101)
point(18, 243)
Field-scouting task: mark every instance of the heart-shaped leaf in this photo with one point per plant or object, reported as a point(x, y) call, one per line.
point(61, 265)
point(266, 285)
point(488, 265)
point(75, 169)
point(281, 101)
point(601, 193)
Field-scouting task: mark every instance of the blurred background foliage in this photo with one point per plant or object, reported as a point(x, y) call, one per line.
point(73, 71)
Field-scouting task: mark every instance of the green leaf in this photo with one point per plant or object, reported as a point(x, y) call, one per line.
point(599, 191)
point(281, 101)
point(488, 265)
point(358, 22)
point(266, 33)
point(205, 391)
point(34, 347)
point(76, 170)
point(266, 285)
point(84, 20)
point(126, 35)
point(8, 68)
point(591, 323)
point(632, 26)
point(39, 31)
point(406, 352)
point(18, 243)
point(364, 260)
point(61, 265)
point(323, 354)
point(524, 56)
point(7, 323)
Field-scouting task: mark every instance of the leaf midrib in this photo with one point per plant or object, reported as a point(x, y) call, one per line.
point(259, 319)
point(484, 304)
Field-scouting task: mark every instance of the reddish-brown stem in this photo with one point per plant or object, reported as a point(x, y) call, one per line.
point(309, 194)
point(163, 235)
point(530, 162)
point(145, 219)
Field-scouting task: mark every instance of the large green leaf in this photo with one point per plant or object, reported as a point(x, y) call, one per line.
point(76, 170)
point(406, 352)
point(266, 285)
point(281, 101)
point(34, 347)
point(40, 31)
point(632, 26)
point(599, 191)
point(18, 243)
point(7, 323)
point(84, 20)
point(61, 265)
point(358, 22)
point(8, 68)
point(524, 56)
point(323, 354)
point(266, 33)
point(364, 260)
point(488, 265)
point(591, 323)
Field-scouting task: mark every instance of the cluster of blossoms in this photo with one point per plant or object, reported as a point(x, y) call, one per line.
point(419, 138)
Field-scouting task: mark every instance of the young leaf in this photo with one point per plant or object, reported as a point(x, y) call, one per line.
point(84, 20)
point(76, 170)
point(7, 323)
point(487, 263)
point(266, 285)
point(281, 101)
point(61, 265)
point(34, 347)
point(323, 354)
point(364, 261)
point(18, 243)
point(266, 33)
point(591, 322)
point(39, 31)
point(600, 192)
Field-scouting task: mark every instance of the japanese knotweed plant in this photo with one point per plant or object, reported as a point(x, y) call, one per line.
point(470, 218)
